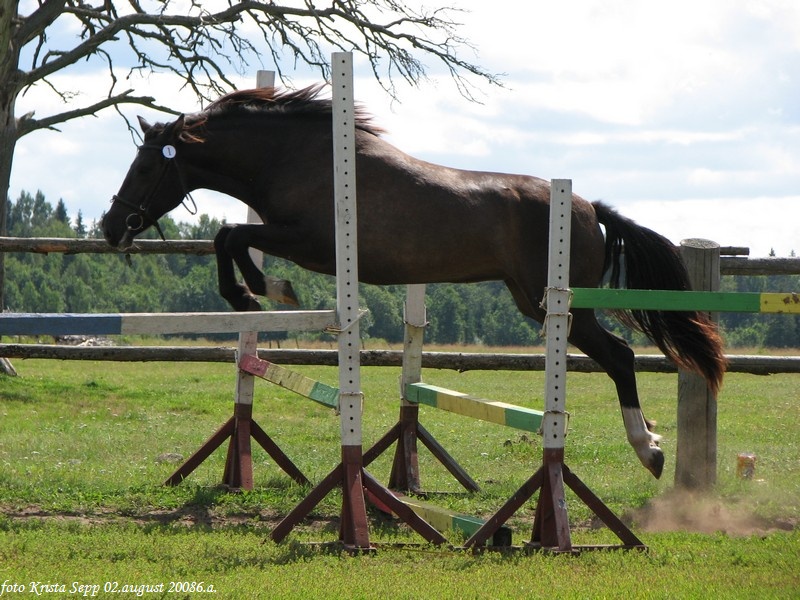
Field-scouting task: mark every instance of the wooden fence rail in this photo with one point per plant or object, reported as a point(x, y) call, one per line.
point(456, 361)
point(732, 261)
point(97, 246)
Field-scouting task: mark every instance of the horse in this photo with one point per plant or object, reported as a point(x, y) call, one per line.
point(418, 222)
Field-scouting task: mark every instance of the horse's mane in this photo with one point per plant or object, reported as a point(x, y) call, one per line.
point(270, 100)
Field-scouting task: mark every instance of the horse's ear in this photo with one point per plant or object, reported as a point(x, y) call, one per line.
point(175, 128)
point(144, 125)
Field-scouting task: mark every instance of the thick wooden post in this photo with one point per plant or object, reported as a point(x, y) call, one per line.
point(696, 453)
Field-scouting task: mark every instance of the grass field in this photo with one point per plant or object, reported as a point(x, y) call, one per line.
point(85, 446)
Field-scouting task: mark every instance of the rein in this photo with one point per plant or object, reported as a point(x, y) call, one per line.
point(140, 211)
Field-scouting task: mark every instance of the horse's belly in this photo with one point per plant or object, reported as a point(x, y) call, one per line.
point(393, 266)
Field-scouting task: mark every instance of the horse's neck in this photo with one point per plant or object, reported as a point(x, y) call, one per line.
point(244, 157)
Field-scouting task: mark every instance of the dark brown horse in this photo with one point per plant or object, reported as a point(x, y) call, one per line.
point(417, 223)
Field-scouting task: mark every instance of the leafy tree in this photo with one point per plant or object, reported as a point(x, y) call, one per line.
point(205, 228)
point(196, 290)
point(80, 226)
point(385, 320)
point(447, 312)
point(61, 212)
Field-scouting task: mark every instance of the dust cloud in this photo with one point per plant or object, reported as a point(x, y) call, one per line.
point(681, 510)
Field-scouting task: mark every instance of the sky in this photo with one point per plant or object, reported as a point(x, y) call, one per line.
point(685, 116)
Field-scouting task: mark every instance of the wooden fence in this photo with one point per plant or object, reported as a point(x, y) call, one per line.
point(456, 361)
point(734, 259)
point(732, 262)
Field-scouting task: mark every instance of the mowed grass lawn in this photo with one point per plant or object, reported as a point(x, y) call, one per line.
point(85, 446)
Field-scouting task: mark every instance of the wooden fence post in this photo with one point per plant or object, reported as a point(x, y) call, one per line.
point(696, 453)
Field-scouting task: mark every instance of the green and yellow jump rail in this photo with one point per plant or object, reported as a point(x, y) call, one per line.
point(752, 302)
point(477, 408)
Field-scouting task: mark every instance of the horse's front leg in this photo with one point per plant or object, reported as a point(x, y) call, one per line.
point(231, 245)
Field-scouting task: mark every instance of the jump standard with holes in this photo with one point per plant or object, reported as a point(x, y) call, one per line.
point(551, 530)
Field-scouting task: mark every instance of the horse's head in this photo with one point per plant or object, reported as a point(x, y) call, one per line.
point(152, 187)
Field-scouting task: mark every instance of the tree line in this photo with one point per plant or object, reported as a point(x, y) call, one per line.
point(481, 313)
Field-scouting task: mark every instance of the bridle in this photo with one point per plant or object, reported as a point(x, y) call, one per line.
point(140, 217)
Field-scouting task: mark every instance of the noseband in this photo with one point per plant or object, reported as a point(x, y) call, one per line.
point(140, 215)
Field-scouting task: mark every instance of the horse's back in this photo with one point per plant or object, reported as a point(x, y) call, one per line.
point(419, 220)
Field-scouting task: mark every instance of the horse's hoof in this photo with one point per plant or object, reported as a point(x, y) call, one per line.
point(245, 303)
point(281, 291)
point(253, 304)
point(656, 463)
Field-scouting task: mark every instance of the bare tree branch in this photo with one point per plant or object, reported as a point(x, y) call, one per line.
point(32, 26)
point(28, 124)
point(193, 41)
point(200, 47)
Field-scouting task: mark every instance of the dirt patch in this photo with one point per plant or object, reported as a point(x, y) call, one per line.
point(674, 511)
point(186, 516)
point(681, 510)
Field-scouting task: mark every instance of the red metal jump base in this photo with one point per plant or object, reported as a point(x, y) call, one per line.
point(238, 472)
point(551, 524)
point(358, 486)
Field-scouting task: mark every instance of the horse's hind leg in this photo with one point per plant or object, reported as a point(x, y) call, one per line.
point(617, 359)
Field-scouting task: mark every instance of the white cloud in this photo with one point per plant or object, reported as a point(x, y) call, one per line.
point(761, 223)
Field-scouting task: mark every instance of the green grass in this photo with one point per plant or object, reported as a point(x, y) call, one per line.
point(84, 448)
point(238, 565)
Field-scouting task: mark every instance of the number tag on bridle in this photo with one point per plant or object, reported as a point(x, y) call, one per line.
point(168, 151)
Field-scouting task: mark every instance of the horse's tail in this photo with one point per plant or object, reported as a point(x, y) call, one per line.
point(651, 262)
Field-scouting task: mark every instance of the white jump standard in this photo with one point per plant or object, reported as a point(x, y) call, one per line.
point(356, 483)
point(551, 524)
